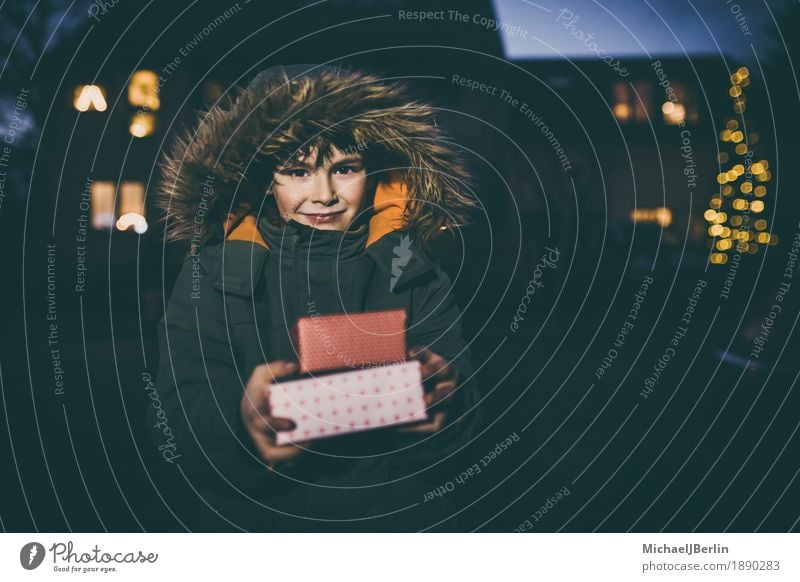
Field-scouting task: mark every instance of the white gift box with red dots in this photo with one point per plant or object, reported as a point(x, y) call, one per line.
point(336, 404)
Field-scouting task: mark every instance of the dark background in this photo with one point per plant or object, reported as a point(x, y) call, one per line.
point(714, 447)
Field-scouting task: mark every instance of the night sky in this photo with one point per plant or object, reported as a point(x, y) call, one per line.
point(625, 28)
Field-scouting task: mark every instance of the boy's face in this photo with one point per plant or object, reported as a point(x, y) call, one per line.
point(328, 197)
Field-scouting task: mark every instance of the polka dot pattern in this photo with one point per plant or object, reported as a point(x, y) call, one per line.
point(347, 402)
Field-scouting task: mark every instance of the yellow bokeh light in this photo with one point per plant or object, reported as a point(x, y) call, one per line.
point(720, 218)
point(726, 232)
point(725, 135)
point(143, 90)
point(722, 157)
point(718, 258)
point(746, 187)
point(739, 204)
point(735, 91)
point(762, 237)
point(715, 202)
point(738, 169)
point(622, 111)
point(742, 247)
point(142, 124)
point(715, 230)
point(757, 168)
point(710, 214)
point(760, 191)
point(737, 136)
point(732, 124)
point(724, 245)
point(743, 72)
point(760, 224)
point(739, 107)
point(90, 97)
point(741, 149)
point(757, 206)
point(736, 220)
point(727, 190)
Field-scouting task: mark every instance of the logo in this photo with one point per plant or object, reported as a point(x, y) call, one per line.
point(402, 254)
point(31, 555)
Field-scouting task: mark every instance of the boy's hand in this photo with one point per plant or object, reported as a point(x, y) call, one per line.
point(260, 424)
point(440, 380)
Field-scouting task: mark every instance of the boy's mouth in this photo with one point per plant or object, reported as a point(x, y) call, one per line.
point(323, 217)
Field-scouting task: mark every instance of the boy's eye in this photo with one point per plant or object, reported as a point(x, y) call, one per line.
point(295, 172)
point(346, 170)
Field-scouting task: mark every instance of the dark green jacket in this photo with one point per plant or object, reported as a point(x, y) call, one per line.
point(224, 318)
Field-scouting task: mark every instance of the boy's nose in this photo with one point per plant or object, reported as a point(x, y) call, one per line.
point(323, 192)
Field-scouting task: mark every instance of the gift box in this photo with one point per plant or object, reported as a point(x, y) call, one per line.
point(347, 402)
point(350, 340)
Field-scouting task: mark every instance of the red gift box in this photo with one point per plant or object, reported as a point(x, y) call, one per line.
point(337, 404)
point(350, 340)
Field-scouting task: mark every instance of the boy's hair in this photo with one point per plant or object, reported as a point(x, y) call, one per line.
point(284, 113)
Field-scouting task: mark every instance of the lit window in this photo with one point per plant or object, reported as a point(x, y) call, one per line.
point(103, 205)
point(131, 207)
point(643, 100)
point(622, 108)
point(681, 108)
point(131, 198)
point(630, 105)
point(674, 113)
point(660, 215)
point(90, 97)
point(142, 124)
point(143, 90)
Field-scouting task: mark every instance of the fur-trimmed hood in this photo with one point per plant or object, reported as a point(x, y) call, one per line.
point(223, 167)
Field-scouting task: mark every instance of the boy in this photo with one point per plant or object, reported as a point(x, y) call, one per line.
point(320, 189)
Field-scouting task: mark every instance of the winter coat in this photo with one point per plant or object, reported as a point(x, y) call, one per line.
point(227, 314)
